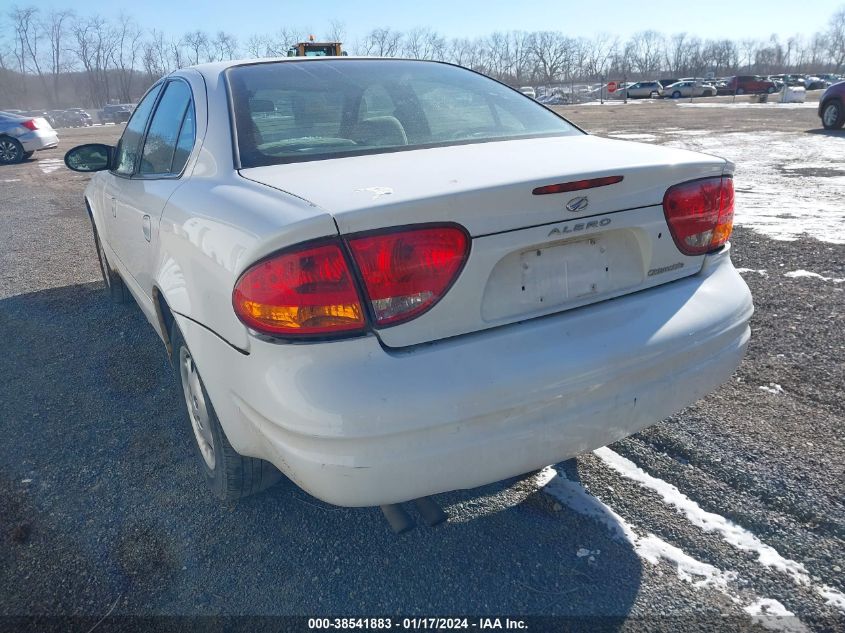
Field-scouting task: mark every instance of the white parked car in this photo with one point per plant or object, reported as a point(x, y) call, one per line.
point(528, 91)
point(390, 278)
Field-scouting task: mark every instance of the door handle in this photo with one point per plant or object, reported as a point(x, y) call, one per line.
point(147, 229)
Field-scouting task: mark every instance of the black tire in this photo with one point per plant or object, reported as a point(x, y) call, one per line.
point(116, 289)
point(28, 155)
point(676, 94)
point(833, 114)
point(11, 151)
point(231, 476)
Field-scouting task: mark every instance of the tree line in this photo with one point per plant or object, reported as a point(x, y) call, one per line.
point(57, 58)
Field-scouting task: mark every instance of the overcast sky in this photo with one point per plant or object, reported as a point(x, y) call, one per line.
point(734, 19)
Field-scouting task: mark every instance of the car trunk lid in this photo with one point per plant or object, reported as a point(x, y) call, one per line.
point(531, 255)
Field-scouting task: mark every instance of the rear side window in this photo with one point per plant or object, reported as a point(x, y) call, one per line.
point(308, 110)
point(130, 143)
point(165, 133)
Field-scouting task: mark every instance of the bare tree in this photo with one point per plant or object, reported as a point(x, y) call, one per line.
point(382, 42)
point(127, 47)
point(94, 47)
point(337, 31)
point(196, 42)
point(836, 39)
point(225, 46)
point(56, 27)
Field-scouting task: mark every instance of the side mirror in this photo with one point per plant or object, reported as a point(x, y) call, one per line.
point(90, 157)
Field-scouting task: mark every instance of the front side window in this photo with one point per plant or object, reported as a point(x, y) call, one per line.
point(296, 111)
point(164, 134)
point(130, 143)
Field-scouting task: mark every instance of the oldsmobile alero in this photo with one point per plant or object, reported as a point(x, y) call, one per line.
point(391, 278)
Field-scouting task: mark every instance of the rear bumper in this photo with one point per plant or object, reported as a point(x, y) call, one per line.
point(39, 139)
point(357, 425)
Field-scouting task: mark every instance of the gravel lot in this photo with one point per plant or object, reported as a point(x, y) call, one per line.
point(102, 506)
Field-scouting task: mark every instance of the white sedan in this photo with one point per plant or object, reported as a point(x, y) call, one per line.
point(389, 278)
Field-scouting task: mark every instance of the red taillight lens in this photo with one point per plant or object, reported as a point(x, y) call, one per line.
point(700, 214)
point(304, 292)
point(406, 272)
point(32, 124)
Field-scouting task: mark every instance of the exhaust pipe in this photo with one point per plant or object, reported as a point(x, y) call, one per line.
point(399, 520)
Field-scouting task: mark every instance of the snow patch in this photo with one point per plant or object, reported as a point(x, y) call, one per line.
point(773, 388)
point(796, 274)
point(632, 137)
point(762, 271)
point(730, 532)
point(772, 615)
point(768, 104)
point(49, 165)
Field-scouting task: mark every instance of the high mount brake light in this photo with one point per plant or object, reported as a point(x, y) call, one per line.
point(700, 214)
point(577, 185)
point(305, 291)
point(405, 272)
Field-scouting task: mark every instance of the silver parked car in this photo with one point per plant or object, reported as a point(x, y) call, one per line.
point(688, 89)
point(22, 136)
point(645, 90)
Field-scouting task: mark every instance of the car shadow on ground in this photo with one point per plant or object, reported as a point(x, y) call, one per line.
point(823, 132)
point(105, 504)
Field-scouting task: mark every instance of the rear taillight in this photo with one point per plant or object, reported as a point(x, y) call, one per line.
point(406, 272)
point(308, 291)
point(32, 124)
point(700, 214)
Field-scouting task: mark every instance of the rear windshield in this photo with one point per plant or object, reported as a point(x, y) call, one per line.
point(298, 111)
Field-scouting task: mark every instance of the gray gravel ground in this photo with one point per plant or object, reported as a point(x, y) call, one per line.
point(102, 504)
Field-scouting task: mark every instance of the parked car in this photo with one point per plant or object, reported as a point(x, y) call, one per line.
point(528, 91)
point(832, 106)
point(645, 90)
point(22, 136)
point(383, 304)
point(115, 113)
point(687, 89)
point(750, 84)
point(77, 117)
point(667, 82)
point(815, 83)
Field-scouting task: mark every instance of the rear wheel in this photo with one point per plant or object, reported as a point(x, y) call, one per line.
point(229, 474)
point(833, 115)
point(676, 94)
point(11, 151)
point(28, 155)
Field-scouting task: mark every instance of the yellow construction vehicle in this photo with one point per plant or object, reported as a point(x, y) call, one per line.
point(316, 49)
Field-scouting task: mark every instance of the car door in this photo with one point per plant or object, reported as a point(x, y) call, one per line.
point(165, 148)
point(115, 181)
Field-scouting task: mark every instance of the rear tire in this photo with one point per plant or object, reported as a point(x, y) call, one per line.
point(230, 475)
point(676, 94)
point(116, 289)
point(833, 115)
point(11, 151)
point(28, 155)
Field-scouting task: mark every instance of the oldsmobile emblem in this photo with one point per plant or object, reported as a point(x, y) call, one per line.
point(577, 204)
